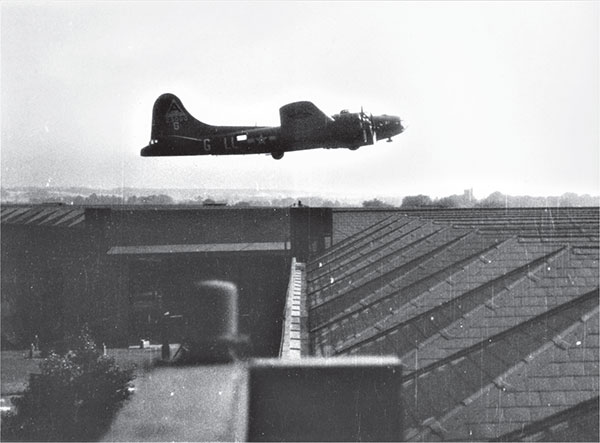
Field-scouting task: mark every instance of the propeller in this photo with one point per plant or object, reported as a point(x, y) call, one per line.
point(369, 121)
point(373, 128)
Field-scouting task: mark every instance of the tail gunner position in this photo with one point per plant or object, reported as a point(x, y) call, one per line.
point(303, 126)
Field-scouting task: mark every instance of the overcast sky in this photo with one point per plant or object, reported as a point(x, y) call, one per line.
point(497, 96)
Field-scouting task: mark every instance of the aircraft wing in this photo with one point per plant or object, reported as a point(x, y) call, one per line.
point(301, 118)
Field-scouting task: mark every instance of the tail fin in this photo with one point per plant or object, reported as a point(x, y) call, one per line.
point(170, 118)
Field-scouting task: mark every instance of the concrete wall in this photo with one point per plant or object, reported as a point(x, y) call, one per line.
point(180, 225)
point(313, 399)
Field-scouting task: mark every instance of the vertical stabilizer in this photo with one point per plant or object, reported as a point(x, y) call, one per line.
point(170, 118)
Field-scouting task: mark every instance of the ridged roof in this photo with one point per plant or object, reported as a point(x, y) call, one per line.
point(485, 321)
point(561, 224)
point(43, 215)
point(532, 371)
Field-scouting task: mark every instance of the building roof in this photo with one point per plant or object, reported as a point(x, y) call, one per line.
point(531, 372)
point(559, 224)
point(471, 312)
point(190, 249)
point(43, 215)
point(68, 216)
point(189, 403)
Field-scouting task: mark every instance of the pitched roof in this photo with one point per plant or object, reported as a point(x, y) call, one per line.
point(552, 224)
point(43, 215)
point(465, 308)
point(532, 371)
point(578, 423)
point(472, 266)
point(450, 318)
point(420, 242)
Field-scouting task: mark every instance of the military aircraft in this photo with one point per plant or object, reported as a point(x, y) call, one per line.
point(303, 126)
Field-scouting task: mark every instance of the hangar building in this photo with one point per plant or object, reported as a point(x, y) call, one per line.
point(493, 313)
point(120, 268)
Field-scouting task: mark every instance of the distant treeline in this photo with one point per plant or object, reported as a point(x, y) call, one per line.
point(94, 199)
point(498, 200)
point(465, 200)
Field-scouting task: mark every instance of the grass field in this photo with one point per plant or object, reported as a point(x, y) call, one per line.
point(16, 366)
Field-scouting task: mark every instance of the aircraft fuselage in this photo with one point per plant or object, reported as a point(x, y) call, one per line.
point(175, 132)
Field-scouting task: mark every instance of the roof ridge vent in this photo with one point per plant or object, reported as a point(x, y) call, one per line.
point(561, 343)
point(501, 383)
point(585, 317)
point(484, 260)
point(435, 426)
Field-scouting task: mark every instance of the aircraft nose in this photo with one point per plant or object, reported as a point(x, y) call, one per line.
point(396, 125)
point(388, 126)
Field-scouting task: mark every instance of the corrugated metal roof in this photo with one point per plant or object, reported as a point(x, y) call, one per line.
point(198, 248)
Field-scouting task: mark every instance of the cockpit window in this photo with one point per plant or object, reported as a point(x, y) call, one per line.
point(343, 113)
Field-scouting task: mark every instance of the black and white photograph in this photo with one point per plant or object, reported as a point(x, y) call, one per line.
point(300, 221)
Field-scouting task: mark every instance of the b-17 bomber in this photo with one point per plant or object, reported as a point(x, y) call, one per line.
point(303, 126)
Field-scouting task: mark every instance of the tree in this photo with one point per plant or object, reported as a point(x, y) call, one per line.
point(4, 194)
point(569, 199)
point(73, 399)
point(416, 201)
point(161, 199)
point(242, 204)
point(454, 201)
point(78, 200)
point(376, 203)
point(494, 200)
